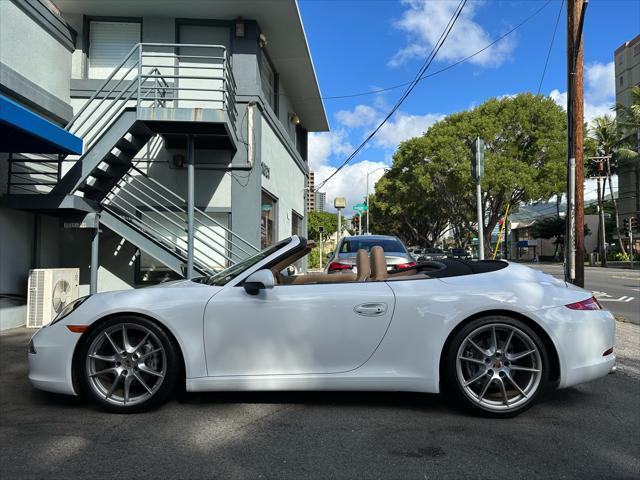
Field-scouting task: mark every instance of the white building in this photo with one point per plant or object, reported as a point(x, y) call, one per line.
point(185, 144)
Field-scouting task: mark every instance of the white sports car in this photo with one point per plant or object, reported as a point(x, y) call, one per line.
point(493, 335)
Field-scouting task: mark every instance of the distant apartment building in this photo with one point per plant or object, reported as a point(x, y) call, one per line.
point(144, 140)
point(310, 196)
point(627, 72)
point(320, 202)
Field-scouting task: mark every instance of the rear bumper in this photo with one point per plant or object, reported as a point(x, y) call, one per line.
point(582, 338)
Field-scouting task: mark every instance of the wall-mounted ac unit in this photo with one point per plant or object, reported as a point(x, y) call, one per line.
point(50, 290)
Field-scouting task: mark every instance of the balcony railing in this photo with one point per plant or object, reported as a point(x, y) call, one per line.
point(152, 75)
point(160, 75)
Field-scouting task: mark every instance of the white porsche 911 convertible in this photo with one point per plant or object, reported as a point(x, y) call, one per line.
point(490, 334)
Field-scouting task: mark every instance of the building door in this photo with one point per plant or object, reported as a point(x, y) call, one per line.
point(267, 220)
point(202, 69)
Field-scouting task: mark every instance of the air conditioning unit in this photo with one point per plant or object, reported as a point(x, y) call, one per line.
point(50, 290)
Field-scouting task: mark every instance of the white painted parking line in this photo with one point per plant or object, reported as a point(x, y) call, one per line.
point(605, 297)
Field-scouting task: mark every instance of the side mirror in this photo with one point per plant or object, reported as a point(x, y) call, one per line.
point(262, 279)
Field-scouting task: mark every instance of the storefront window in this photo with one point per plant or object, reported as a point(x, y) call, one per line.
point(296, 223)
point(267, 220)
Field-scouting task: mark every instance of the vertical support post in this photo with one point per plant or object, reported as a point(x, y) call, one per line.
point(575, 114)
point(139, 95)
point(571, 221)
point(360, 223)
point(321, 251)
point(367, 230)
point(190, 203)
point(95, 252)
point(601, 227)
point(631, 251)
point(480, 222)
point(339, 234)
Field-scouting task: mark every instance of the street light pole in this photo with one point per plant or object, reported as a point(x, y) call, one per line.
point(367, 199)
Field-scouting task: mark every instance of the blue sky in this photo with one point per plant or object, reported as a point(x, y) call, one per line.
point(361, 45)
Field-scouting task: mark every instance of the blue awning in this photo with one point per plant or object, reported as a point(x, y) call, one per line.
point(22, 131)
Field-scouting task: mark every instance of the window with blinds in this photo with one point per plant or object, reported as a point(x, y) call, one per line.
point(109, 43)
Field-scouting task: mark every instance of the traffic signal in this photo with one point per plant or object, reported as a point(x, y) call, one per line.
point(633, 224)
point(625, 224)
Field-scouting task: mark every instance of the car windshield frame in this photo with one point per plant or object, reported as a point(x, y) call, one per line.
point(370, 243)
point(228, 274)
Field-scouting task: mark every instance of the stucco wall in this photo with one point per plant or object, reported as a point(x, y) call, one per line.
point(32, 52)
point(286, 180)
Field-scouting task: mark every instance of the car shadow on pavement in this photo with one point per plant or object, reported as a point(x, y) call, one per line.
point(325, 398)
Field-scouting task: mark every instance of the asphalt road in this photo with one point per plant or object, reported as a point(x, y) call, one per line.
point(591, 431)
point(617, 289)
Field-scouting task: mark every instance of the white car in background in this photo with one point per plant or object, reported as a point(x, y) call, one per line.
point(491, 335)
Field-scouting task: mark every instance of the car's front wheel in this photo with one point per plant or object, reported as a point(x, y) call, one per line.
point(496, 366)
point(127, 364)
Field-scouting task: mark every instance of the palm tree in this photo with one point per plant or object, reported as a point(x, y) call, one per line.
point(608, 139)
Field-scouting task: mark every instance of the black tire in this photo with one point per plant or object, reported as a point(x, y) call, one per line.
point(155, 394)
point(471, 399)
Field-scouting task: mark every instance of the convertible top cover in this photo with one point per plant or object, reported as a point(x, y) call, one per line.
point(454, 268)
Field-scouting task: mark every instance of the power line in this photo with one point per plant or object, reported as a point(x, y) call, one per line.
point(553, 37)
point(433, 74)
point(421, 71)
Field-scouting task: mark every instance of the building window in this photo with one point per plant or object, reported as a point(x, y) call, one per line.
point(636, 50)
point(267, 220)
point(621, 80)
point(301, 141)
point(296, 223)
point(109, 44)
point(268, 81)
point(620, 59)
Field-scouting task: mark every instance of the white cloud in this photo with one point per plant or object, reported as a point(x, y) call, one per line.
point(600, 81)
point(323, 145)
point(398, 128)
point(404, 126)
point(351, 182)
point(424, 21)
point(599, 91)
point(358, 117)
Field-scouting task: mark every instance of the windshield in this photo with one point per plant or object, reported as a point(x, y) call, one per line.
point(225, 276)
point(352, 245)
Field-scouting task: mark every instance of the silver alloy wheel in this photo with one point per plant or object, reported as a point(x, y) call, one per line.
point(126, 364)
point(499, 367)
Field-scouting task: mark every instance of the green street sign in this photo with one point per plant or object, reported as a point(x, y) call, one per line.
point(267, 207)
point(361, 207)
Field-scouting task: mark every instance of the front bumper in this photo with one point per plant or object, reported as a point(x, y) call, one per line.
point(50, 367)
point(581, 337)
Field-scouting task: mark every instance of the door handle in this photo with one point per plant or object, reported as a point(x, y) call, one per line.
point(371, 309)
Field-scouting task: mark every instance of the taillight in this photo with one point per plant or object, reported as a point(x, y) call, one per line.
point(404, 266)
point(588, 304)
point(335, 266)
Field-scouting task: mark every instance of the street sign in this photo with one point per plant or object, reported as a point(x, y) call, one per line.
point(339, 202)
point(477, 163)
point(361, 207)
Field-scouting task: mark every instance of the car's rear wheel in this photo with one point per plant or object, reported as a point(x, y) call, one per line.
point(127, 364)
point(496, 366)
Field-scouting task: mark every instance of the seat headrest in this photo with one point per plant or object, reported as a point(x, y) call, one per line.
point(362, 265)
point(378, 264)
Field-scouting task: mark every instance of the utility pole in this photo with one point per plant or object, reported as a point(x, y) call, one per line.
point(575, 117)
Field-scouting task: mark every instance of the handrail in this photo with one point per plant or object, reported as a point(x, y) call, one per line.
point(171, 192)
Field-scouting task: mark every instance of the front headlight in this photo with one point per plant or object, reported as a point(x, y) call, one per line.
point(69, 308)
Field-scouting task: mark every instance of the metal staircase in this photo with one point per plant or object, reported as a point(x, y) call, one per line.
point(158, 91)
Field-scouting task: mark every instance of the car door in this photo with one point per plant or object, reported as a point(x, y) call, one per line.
point(296, 329)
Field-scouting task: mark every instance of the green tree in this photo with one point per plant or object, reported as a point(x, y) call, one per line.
point(327, 220)
point(525, 139)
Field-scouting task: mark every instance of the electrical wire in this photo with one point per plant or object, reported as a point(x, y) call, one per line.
point(420, 73)
point(553, 37)
point(433, 74)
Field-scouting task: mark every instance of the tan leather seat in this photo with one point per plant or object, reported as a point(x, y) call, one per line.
point(378, 264)
point(362, 265)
